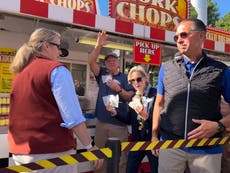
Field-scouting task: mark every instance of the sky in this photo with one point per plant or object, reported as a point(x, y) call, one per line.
point(103, 7)
point(223, 6)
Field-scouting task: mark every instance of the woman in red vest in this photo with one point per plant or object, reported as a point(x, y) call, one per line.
point(44, 109)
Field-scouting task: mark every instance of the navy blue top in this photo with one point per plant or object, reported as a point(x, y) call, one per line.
point(146, 133)
point(101, 113)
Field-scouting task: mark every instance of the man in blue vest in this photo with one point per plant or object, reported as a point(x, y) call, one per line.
point(187, 103)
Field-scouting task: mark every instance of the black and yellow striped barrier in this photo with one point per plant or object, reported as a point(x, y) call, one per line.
point(107, 153)
point(60, 161)
point(136, 146)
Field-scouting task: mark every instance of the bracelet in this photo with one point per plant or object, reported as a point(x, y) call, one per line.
point(118, 92)
point(91, 145)
point(114, 114)
point(141, 110)
point(154, 133)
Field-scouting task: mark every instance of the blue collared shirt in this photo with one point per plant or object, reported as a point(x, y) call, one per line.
point(64, 92)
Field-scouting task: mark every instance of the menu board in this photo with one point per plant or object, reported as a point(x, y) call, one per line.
point(6, 57)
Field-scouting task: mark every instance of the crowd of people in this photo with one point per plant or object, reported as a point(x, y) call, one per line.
point(45, 110)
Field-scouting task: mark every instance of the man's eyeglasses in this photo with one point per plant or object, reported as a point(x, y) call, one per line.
point(55, 44)
point(138, 80)
point(183, 35)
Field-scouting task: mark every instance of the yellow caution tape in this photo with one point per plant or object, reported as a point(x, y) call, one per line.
point(59, 161)
point(107, 153)
point(136, 146)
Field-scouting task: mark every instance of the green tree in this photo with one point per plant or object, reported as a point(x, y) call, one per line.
point(213, 14)
point(193, 13)
point(224, 22)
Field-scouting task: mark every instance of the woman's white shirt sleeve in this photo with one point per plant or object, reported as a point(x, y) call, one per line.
point(64, 92)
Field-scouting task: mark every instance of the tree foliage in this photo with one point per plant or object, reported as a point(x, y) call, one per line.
point(193, 13)
point(213, 14)
point(224, 22)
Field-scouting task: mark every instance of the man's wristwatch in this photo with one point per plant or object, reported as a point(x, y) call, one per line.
point(91, 145)
point(221, 128)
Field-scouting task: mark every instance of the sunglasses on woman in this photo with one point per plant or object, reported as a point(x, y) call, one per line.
point(183, 35)
point(55, 44)
point(138, 80)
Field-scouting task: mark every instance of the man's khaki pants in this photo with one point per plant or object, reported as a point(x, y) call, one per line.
point(176, 161)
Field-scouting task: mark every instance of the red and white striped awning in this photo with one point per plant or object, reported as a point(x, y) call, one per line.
point(68, 15)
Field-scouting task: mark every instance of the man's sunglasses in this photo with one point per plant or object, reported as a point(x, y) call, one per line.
point(55, 44)
point(139, 79)
point(183, 35)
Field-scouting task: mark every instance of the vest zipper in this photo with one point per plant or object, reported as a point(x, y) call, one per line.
point(187, 101)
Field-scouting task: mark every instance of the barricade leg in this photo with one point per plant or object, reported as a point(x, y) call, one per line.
point(113, 163)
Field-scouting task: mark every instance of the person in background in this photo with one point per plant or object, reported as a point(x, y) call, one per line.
point(225, 162)
point(44, 109)
point(80, 90)
point(187, 103)
point(140, 118)
point(112, 84)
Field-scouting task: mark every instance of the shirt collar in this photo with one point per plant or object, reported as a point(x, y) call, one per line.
point(186, 61)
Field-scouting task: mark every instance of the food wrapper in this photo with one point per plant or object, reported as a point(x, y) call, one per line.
point(113, 100)
point(106, 78)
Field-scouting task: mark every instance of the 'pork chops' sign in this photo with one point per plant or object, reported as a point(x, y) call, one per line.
point(156, 13)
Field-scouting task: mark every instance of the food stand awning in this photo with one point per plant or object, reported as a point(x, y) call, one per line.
point(67, 15)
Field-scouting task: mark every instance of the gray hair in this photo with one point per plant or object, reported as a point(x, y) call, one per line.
point(34, 44)
point(197, 25)
point(138, 69)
